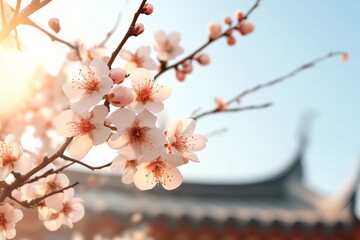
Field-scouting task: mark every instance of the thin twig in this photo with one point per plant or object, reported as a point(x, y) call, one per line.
point(52, 37)
point(253, 107)
point(49, 172)
point(286, 76)
point(129, 33)
point(17, 8)
point(84, 164)
point(34, 6)
point(35, 202)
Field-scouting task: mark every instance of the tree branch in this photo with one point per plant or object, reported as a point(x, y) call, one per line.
point(192, 55)
point(240, 109)
point(129, 33)
point(84, 164)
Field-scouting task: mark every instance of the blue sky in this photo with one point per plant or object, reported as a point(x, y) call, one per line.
point(260, 143)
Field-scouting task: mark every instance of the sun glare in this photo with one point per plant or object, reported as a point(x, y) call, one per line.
point(15, 75)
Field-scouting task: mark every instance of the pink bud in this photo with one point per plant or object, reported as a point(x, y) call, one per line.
point(180, 75)
point(187, 67)
point(117, 75)
point(228, 20)
point(345, 57)
point(239, 15)
point(214, 30)
point(54, 24)
point(147, 9)
point(229, 32)
point(245, 27)
point(120, 96)
point(231, 40)
point(203, 59)
point(221, 105)
point(139, 29)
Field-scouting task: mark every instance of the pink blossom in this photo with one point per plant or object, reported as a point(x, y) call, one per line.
point(148, 9)
point(239, 15)
point(245, 27)
point(89, 88)
point(221, 104)
point(87, 128)
point(228, 20)
point(138, 29)
point(162, 170)
point(9, 216)
point(140, 59)
point(137, 134)
point(183, 142)
point(148, 95)
point(203, 59)
point(54, 24)
point(11, 157)
point(121, 96)
point(231, 41)
point(167, 46)
point(214, 30)
point(127, 166)
point(61, 208)
point(180, 75)
point(118, 75)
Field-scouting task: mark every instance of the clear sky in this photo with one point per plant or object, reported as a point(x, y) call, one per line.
point(289, 33)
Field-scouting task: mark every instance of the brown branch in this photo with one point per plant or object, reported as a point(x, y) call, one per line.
point(129, 33)
point(49, 172)
point(240, 109)
point(84, 164)
point(192, 55)
point(52, 37)
point(35, 202)
point(286, 76)
point(17, 8)
point(47, 160)
point(34, 6)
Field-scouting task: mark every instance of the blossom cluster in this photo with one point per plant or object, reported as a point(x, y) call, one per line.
point(117, 106)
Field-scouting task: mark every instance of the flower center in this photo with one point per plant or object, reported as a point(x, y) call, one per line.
point(3, 220)
point(67, 210)
point(137, 134)
point(158, 170)
point(180, 145)
point(144, 93)
point(7, 157)
point(88, 82)
point(85, 126)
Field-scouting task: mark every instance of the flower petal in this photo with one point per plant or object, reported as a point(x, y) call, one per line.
point(80, 146)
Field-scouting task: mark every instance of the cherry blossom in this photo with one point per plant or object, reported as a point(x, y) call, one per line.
point(183, 142)
point(214, 30)
point(121, 96)
point(89, 88)
point(54, 24)
point(140, 59)
point(245, 27)
point(11, 157)
point(87, 128)
point(148, 95)
point(137, 134)
point(167, 46)
point(61, 208)
point(221, 104)
point(127, 166)
point(162, 170)
point(9, 216)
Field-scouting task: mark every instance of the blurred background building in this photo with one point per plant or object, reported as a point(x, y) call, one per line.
point(280, 207)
